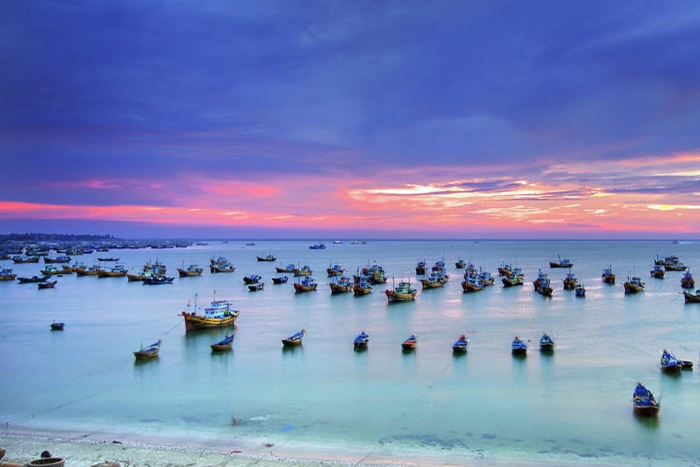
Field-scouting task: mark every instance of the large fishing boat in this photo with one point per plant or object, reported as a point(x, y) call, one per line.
point(266, 258)
point(633, 285)
point(220, 264)
point(341, 285)
point(608, 275)
point(658, 272)
point(692, 297)
point(687, 281)
point(218, 315)
point(401, 293)
point(192, 270)
point(307, 284)
point(7, 275)
point(361, 287)
point(562, 263)
point(118, 270)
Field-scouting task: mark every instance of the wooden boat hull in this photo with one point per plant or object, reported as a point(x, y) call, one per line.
point(468, 287)
point(554, 264)
point(216, 269)
point(359, 290)
point(511, 282)
point(256, 287)
point(104, 274)
point(304, 288)
point(8, 277)
point(546, 291)
point(33, 259)
point(691, 298)
point(431, 285)
point(193, 322)
point(189, 273)
point(221, 348)
point(631, 288)
point(609, 279)
point(519, 351)
point(146, 355)
point(399, 297)
point(291, 342)
point(47, 285)
point(645, 410)
point(279, 280)
point(547, 347)
point(337, 289)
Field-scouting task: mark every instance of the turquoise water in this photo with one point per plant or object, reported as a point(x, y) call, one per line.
point(572, 406)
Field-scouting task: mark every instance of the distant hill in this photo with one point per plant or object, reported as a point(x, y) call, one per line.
point(47, 237)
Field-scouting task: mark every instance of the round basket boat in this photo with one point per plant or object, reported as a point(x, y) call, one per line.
point(47, 462)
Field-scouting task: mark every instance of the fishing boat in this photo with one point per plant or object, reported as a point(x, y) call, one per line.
point(317, 246)
point(570, 281)
point(256, 287)
point(608, 276)
point(158, 280)
point(361, 341)
point(219, 315)
point(486, 277)
point(472, 284)
point(544, 287)
point(546, 343)
point(7, 275)
point(562, 263)
point(692, 297)
point(505, 269)
point(32, 280)
point(305, 270)
point(421, 267)
point(59, 259)
point(361, 287)
point(288, 268)
point(580, 290)
point(342, 284)
point(515, 278)
point(147, 352)
point(56, 326)
point(78, 266)
point(670, 262)
point(47, 284)
point(295, 339)
point(252, 279)
point(518, 347)
point(687, 281)
point(643, 402)
point(669, 363)
point(25, 259)
point(460, 345)
point(280, 280)
point(434, 280)
point(658, 272)
point(193, 270)
point(375, 274)
point(266, 258)
point(108, 259)
point(460, 263)
point(220, 265)
point(52, 270)
point(633, 285)
point(307, 284)
point(410, 343)
point(90, 271)
point(335, 270)
point(118, 270)
point(401, 293)
point(224, 344)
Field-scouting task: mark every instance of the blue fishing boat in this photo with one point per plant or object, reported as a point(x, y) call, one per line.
point(280, 280)
point(460, 345)
point(687, 281)
point(361, 341)
point(149, 351)
point(295, 339)
point(608, 275)
point(643, 402)
point(158, 280)
point(56, 326)
point(410, 343)
point(546, 343)
point(518, 346)
point(224, 344)
point(669, 362)
point(317, 246)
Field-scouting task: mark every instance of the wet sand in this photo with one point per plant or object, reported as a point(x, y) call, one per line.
point(86, 450)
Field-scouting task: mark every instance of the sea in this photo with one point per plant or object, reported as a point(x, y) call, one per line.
point(570, 407)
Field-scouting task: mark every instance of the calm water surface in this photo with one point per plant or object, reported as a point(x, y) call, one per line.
point(571, 406)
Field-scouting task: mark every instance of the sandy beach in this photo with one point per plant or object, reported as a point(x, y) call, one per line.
point(88, 450)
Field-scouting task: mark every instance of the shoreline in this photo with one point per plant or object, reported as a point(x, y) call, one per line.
point(88, 449)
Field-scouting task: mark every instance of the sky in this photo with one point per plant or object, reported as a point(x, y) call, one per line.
point(348, 119)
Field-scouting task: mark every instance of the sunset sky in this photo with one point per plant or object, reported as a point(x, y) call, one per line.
point(347, 119)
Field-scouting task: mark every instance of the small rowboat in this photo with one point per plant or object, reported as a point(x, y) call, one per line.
point(410, 343)
point(256, 287)
point(460, 345)
point(280, 280)
point(149, 351)
point(56, 326)
point(361, 341)
point(295, 339)
point(546, 343)
point(643, 402)
point(224, 344)
point(518, 347)
point(47, 284)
